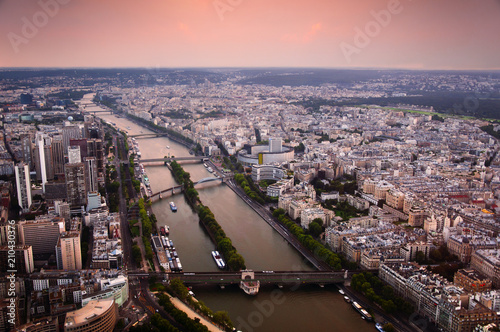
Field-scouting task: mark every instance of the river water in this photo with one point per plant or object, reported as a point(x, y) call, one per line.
point(304, 308)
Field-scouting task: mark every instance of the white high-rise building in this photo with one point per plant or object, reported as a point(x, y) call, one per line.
point(275, 145)
point(74, 155)
point(91, 173)
point(40, 143)
point(23, 184)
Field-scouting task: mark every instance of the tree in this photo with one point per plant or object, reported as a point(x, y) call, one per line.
point(420, 257)
point(436, 255)
point(278, 212)
point(225, 245)
point(300, 147)
point(388, 327)
point(318, 221)
point(222, 318)
point(236, 262)
point(315, 229)
point(178, 288)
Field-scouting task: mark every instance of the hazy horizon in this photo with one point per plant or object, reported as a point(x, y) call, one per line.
point(383, 34)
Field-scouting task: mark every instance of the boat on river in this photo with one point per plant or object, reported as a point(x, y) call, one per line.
point(220, 262)
point(364, 314)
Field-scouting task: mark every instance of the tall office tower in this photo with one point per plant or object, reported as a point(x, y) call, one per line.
point(91, 173)
point(58, 155)
point(82, 143)
point(70, 132)
point(49, 159)
point(23, 259)
point(74, 155)
point(68, 253)
point(95, 130)
point(95, 149)
point(41, 171)
point(42, 234)
point(91, 129)
point(76, 184)
point(27, 149)
point(23, 184)
point(275, 145)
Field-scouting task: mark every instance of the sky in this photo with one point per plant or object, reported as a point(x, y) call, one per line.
point(411, 34)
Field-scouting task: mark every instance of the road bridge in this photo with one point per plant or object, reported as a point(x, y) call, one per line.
point(224, 278)
point(149, 135)
point(178, 189)
point(264, 277)
point(158, 161)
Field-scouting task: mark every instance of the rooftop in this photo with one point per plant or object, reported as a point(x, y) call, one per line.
point(86, 314)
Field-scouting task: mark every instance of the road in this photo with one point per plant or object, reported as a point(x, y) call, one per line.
point(139, 290)
point(124, 225)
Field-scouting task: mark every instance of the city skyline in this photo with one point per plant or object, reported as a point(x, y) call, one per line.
point(401, 34)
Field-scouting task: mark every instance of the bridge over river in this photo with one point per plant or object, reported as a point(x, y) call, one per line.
point(278, 278)
point(178, 189)
point(159, 161)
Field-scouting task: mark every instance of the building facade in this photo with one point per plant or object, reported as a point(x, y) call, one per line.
point(23, 184)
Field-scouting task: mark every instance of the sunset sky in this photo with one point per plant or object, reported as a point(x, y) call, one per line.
point(419, 34)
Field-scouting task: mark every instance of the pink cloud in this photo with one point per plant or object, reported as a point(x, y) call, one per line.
point(187, 31)
point(304, 37)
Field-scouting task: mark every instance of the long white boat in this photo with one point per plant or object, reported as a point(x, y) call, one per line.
point(362, 311)
point(218, 259)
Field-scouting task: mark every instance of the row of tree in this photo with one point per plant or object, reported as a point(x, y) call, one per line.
point(320, 252)
point(112, 187)
point(234, 260)
point(136, 254)
point(180, 316)
point(184, 178)
point(147, 224)
point(177, 288)
point(376, 291)
point(245, 185)
point(156, 324)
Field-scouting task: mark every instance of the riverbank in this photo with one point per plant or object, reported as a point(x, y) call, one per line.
point(193, 314)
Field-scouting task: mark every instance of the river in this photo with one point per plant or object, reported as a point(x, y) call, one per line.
point(304, 308)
